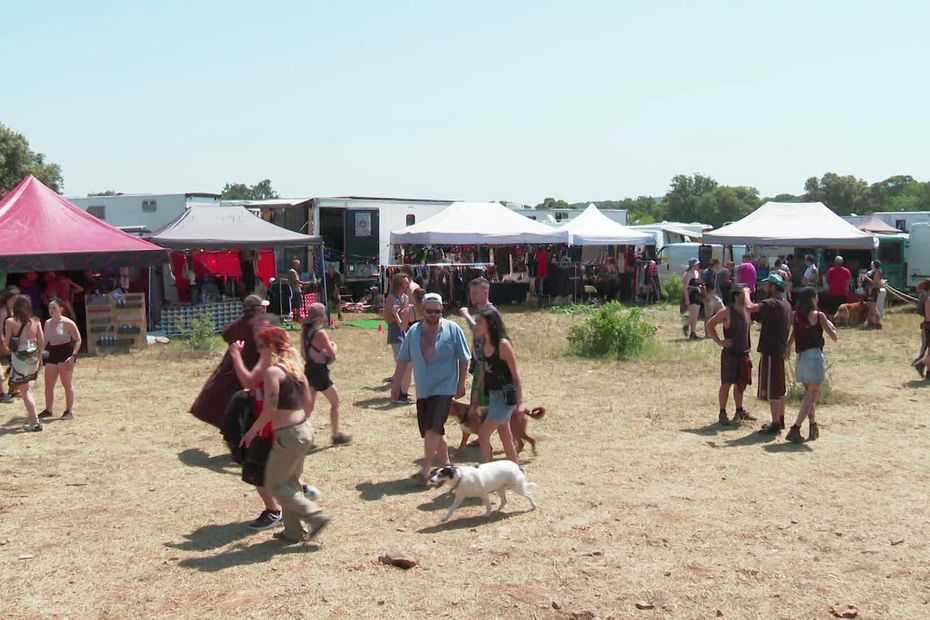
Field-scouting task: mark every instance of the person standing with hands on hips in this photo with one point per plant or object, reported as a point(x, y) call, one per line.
point(439, 353)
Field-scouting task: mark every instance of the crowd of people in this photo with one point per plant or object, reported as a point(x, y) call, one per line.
point(279, 383)
point(706, 290)
point(262, 369)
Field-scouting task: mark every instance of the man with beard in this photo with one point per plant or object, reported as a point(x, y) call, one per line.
point(439, 353)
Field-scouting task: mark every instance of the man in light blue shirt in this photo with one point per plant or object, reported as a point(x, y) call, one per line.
point(438, 350)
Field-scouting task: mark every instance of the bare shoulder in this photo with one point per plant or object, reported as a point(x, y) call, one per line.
point(274, 372)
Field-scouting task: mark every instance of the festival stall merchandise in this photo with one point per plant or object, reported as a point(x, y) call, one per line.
point(221, 254)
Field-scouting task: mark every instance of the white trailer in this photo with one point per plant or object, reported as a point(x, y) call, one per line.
point(148, 211)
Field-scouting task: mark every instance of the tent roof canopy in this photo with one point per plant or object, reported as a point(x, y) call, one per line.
point(594, 228)
point(215, 227)
point(478, 223)
point(42, 231)
point(804, 224)
point(871, 223)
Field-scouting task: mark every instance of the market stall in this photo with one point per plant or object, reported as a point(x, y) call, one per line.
point(607, 263)
point(484, 232)
point(219, 254)
point(85, 262)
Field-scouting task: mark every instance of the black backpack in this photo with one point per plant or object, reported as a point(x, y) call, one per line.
point(236, 422)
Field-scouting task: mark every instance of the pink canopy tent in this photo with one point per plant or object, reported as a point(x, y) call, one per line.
point(41, 231)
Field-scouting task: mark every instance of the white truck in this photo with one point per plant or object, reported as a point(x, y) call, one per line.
point(675, 245)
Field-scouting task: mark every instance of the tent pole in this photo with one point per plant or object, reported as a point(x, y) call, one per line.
point(325, 288)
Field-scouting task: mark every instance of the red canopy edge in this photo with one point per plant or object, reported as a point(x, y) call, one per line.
point(42, 231)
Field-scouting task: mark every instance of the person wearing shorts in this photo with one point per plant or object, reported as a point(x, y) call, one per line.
point(735, 363)
point(319, 352)
point(501, 377)
point(775, 317)
point(438, 351)
point(395, 303)
point(479, 291)
point(807, 328)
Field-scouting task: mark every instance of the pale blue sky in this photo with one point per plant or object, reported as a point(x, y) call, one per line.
point(471, 100)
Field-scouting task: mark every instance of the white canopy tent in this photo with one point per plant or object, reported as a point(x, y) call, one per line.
point(802, 224)
point(489, 223)
point(594, 228)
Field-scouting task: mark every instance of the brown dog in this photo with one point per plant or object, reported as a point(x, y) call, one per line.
point(470, 421)
point(851, 314)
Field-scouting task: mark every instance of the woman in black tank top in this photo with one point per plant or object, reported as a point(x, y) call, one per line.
point(502, 379)
point(807, 328)
point(319, 352)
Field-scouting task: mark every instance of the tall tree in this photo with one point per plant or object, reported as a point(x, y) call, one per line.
point(106, 192)
point(843, 194)
point(641, 210)
point(552, 203)
point(240, 191)
point(681, 201)
point(18, 160)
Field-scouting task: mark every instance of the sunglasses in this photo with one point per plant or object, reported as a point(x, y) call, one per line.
point(432, 311)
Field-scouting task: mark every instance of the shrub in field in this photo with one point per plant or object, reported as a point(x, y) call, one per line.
point(200, 332)
point(672, 288)
point(611, 330)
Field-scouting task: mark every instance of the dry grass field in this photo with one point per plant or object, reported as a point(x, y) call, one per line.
point(135, 510)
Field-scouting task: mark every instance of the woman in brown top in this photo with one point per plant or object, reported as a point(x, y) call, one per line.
point(807, 328)
point(872, 282)
point(288, 404)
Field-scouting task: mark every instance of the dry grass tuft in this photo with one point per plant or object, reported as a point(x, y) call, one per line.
point(134, 508)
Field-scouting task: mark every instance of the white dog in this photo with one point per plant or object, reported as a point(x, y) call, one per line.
point(494, 477)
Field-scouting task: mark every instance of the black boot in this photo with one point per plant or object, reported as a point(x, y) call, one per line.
point(794, 435)
point(722, 418)
point(814, 432)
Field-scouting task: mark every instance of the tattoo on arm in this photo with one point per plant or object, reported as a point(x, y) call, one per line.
point(273, 400)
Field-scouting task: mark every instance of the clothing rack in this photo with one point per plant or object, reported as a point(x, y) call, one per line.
point(454, 291)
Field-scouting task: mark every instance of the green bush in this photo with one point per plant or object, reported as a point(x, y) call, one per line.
point(200, 332)
point(611, 330)
point(672, 288)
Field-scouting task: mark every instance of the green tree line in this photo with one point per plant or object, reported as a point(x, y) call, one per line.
point(699, 198)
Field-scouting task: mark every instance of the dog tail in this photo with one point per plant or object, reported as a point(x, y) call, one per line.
point(538, 413)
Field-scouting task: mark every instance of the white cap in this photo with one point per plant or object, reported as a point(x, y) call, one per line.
point(432, 298)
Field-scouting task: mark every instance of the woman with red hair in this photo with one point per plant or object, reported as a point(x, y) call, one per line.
point(288, 404)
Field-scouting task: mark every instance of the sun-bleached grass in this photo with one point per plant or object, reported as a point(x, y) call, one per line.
point(134, 509)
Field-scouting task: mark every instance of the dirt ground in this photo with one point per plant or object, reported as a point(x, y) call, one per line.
point(134, 508)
